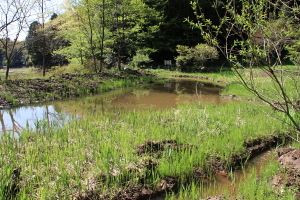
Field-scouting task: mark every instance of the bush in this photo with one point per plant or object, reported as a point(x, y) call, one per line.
point(73, 68)
point(195, 58)
point(141, 59)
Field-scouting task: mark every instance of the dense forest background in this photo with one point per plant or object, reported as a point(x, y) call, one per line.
point(110, 32)
point(104, 34)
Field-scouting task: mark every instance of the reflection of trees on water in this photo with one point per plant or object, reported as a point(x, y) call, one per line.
point(15, 120)
point(16, 127)
point(99, 105)
point(140, 92)
point(2, 122)
point(47, 115)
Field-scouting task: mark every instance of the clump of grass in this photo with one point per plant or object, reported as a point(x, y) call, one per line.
point(220, 77)
point(255, 185)
point(9, 97)
point(260, 187)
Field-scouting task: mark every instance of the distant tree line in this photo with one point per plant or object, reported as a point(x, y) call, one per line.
point(19, 60)
point(111, 33)
point(102, 34)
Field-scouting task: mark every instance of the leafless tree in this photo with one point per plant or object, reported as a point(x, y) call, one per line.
point(13, 19)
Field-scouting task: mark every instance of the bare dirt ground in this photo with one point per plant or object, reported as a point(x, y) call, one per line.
point(289, 176)
point(15, 69)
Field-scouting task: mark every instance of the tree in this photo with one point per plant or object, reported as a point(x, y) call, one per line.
point(142, 57)
point(109, 31)
point(173, 28)
point(41, 43)
point(85, 26)
point(14, 15)
point(121, 23)
point(44, 40)
point(194, 58)
point(85, 14)
point(253, 35)
point(129, 27)
point(34, 42)
point(71, 30)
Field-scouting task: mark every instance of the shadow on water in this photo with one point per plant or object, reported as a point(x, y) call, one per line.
point(156, 96)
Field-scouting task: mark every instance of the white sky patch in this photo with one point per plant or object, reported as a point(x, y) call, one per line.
point(50, 7)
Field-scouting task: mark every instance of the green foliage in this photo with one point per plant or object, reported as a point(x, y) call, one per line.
point(141, 59)
point(42, 41)
point(195, 57)
point(108, 33)
point(34, 44)
point(294, 45)
point(253, 35)
point(173, 29)
point(294, 51)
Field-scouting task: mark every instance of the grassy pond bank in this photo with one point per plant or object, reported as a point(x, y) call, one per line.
point(147, 153)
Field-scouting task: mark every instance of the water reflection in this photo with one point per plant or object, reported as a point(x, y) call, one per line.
point(16, 119)
point(156, 96)
point(169, 95)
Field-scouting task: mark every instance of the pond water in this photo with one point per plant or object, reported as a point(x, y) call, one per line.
point(229, 184)
point(155, 96)
point(167, 95)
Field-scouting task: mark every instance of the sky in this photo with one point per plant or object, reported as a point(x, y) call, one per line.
point(56, 5)
point(52, 6)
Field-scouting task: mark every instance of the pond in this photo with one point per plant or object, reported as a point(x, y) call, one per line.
point(166, 95)
point(155, 96)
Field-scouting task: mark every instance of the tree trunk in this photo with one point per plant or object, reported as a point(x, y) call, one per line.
point(7, 69)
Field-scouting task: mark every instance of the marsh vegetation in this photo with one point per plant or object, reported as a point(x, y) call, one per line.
point(98, 46)
point(138, 154)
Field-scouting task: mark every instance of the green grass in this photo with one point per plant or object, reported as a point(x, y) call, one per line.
point(254, 186)
point(61, 161)
point(223, 77)
point(99, 152)
point(24, 73)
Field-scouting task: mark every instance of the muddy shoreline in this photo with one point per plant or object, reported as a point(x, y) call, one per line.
point(289, 159)
point(201, 78)
point(26, 91)
point(216, 165)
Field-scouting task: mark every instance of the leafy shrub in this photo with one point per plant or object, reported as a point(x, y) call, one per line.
point(72, 68)
point(195, 58)
point(141, 58)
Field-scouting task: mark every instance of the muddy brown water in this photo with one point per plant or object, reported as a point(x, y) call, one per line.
point(228, 184)
point(153, 96)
